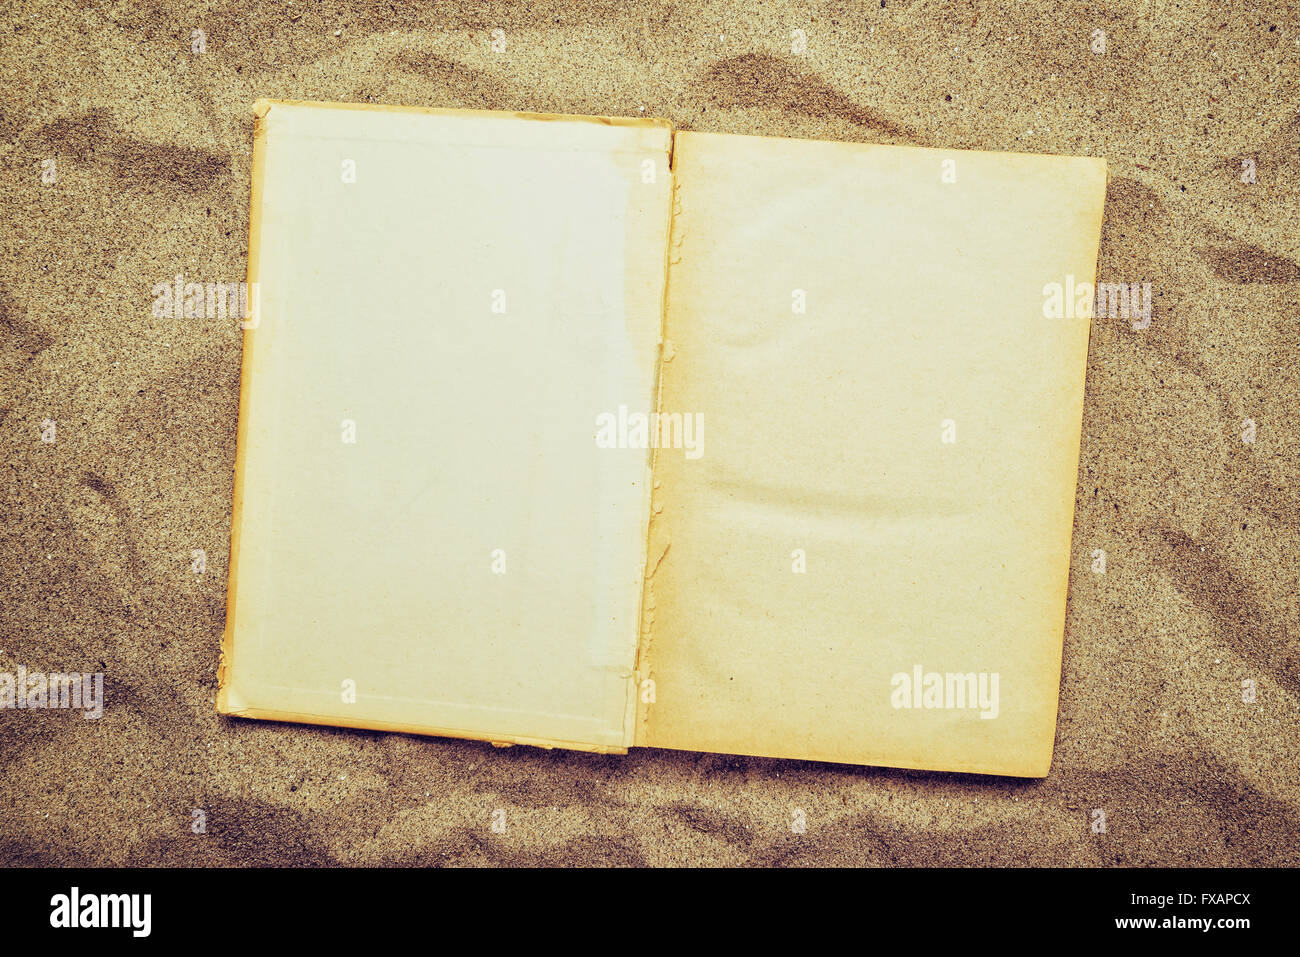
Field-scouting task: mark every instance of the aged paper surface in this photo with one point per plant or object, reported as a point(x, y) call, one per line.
point(861, 553)
point(868, 563)
point(447, 301)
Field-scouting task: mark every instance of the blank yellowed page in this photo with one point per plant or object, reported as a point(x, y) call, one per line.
point(426, 536)
point(890, 444)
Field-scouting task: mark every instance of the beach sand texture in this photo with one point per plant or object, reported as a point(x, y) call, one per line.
point(152, 147)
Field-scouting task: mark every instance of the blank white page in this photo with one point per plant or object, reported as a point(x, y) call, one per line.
point(447, 301)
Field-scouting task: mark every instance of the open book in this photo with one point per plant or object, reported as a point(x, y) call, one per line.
point(582, 432)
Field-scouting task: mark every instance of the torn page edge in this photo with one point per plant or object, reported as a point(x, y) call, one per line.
point(657, 539)
point(260, 109)
point(663, 127)
point(237, 709)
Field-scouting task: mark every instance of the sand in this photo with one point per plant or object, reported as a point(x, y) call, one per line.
point(151, 144)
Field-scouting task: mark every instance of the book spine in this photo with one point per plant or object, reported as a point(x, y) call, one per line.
point(657, 539)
